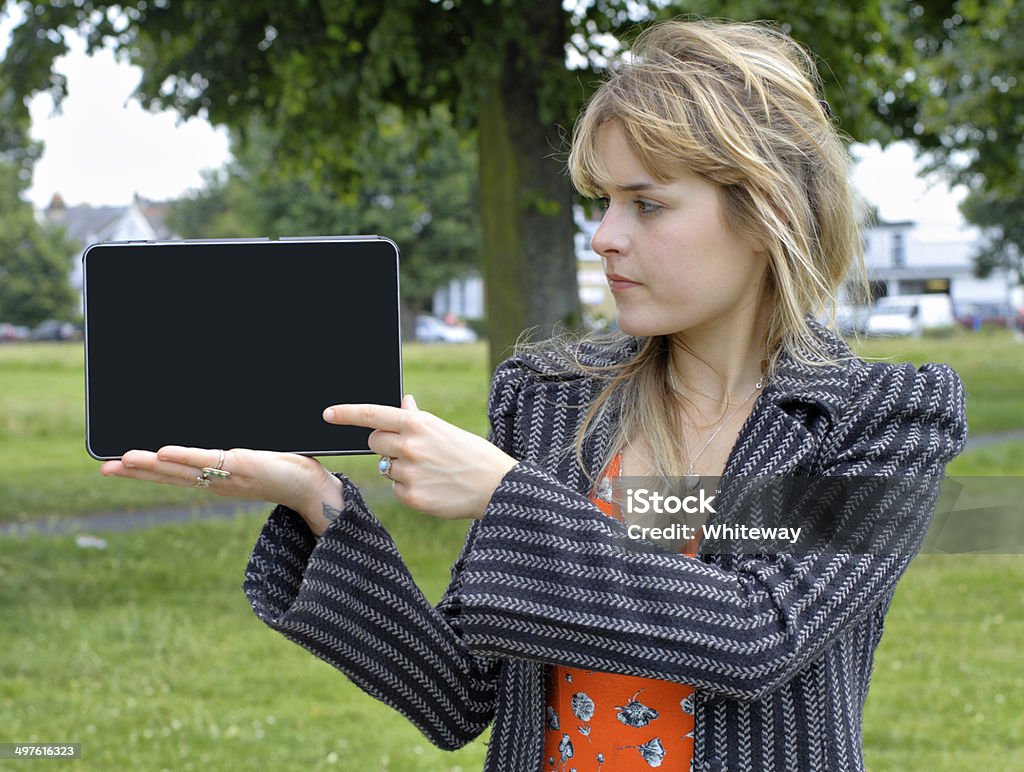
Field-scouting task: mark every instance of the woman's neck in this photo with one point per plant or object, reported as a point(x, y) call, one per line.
point(718, 367)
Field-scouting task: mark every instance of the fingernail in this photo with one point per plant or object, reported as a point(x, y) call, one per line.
point(128, 464)
point(329, 414)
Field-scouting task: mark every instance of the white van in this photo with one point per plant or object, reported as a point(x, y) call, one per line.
point(910, 314)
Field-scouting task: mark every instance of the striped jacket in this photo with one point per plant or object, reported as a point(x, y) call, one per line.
point(779, 648)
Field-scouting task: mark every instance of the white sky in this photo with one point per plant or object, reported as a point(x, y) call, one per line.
point(103, 147)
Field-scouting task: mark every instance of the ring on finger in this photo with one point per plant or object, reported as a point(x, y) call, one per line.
point(202, 480)
point(216, 471)
point(384, 466)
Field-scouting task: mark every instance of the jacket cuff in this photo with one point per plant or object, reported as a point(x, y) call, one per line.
point(281, 556)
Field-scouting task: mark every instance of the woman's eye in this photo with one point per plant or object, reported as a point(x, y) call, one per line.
point(642, 207)
point(647, 207)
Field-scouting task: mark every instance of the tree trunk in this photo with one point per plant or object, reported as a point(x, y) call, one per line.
point(529, 261)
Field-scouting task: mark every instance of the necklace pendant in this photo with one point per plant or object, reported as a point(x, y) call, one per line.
point(691, 481)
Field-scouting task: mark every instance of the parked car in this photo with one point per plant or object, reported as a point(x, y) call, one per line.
point(55, 329)
point(973, 316)
point(430, 329)
point(910, 314)
point(12, 332)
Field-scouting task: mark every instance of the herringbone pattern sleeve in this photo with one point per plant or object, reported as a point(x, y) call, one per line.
point(349, 599)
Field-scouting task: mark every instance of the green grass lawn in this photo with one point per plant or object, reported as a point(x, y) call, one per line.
point(146, 651)
point(147, 654)
point(948, 688)
point(44, 469)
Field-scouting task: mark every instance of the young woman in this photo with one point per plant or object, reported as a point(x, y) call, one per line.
point(728, 221)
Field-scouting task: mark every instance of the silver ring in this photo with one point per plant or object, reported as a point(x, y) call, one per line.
point(384, 466)
point(216, 471)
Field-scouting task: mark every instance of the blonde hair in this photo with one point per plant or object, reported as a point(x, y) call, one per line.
point(736, 104)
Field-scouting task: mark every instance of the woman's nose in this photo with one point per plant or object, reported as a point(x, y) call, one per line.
point(610, 238)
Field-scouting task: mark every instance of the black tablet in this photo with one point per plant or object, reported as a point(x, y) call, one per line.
point(238, 343)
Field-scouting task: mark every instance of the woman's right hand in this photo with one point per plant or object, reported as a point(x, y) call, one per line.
point(299, 482)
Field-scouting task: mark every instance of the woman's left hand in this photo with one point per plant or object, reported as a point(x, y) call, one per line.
point(436, 468)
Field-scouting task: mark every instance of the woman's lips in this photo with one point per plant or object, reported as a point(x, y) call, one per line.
point(619, 283)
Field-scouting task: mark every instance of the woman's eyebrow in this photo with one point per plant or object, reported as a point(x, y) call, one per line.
point(635, 186)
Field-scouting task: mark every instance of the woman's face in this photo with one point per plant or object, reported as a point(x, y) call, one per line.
point(672, 263)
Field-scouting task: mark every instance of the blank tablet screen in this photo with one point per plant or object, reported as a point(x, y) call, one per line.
point(238, 344)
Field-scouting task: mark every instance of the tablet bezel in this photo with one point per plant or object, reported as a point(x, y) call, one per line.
point(347, 239)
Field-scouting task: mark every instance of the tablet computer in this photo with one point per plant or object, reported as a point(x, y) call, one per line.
point(238, 343)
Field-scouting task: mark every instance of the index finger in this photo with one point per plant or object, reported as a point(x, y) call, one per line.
point(390, 419)
point(198, 457)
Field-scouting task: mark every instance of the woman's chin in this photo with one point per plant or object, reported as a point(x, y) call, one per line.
point(639, 328)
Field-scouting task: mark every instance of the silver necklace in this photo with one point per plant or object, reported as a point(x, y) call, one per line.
point(690, 479)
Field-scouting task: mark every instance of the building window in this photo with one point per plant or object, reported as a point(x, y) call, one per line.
point(899, 257)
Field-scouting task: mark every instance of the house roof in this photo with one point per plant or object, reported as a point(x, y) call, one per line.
point(86, 224)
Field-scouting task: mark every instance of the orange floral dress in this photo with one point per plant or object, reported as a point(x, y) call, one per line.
point(618, 722)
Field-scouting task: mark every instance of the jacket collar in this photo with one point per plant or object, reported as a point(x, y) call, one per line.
point(779, 437)
point(776, 439)
point(823, 385)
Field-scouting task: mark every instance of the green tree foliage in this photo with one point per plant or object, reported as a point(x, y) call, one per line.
point(35, 260)
point(971, 125)
point(1001, 216)
point(318, 73)
point(425, 198)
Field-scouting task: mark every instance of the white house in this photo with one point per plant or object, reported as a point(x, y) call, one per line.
point(141, 220)
point(904, 259)
point(462, 297)
point(595, 296)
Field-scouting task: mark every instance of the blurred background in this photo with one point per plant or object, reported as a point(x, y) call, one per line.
point(443, 125)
